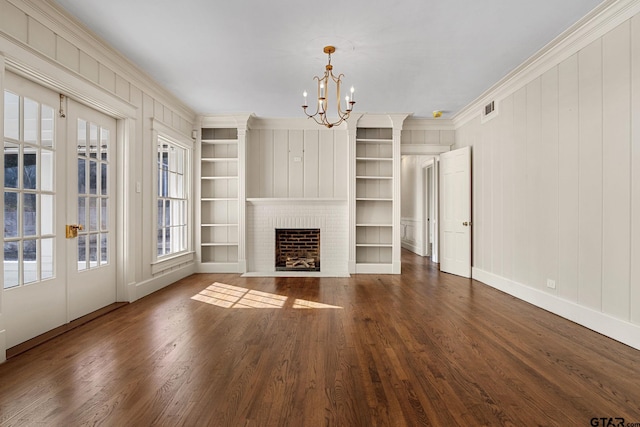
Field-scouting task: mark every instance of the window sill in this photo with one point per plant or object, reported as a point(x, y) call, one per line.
point(172, 261)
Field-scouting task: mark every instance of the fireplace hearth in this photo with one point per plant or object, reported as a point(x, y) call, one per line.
point(297, 249)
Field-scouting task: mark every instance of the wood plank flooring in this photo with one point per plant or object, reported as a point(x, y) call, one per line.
point(421, 348)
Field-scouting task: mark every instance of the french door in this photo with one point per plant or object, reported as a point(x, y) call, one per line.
point(91, 178)
point(54, 176)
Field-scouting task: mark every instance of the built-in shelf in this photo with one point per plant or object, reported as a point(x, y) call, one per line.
point(219, 203)
point(374, 200)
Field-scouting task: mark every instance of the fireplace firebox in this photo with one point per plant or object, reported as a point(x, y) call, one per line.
point(297, 249)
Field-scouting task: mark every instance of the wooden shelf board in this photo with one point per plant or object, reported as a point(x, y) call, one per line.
point(374, 141)
point(373, 177)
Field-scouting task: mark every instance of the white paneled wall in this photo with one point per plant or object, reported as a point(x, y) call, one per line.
point(428, 136)
point(297, 163)
point(556, 179)
point(45, 45)
point(52, 46)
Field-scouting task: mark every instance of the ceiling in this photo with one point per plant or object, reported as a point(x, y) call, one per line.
point(402, 56)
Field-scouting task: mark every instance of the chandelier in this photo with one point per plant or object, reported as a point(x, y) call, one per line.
point(322, 105)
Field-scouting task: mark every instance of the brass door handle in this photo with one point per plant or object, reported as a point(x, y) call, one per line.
point(72, 230)
point(466, 224)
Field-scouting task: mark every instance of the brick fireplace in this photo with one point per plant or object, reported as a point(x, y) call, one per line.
point(297, 249)
point(265, 216)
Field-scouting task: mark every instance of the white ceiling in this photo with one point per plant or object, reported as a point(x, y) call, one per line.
point(402, 56)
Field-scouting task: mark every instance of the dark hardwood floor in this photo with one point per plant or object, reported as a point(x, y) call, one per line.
point(421, 348)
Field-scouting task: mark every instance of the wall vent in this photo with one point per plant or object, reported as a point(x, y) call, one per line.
point(489, 111)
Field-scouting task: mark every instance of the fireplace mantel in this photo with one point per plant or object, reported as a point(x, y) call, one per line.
point(287, 200)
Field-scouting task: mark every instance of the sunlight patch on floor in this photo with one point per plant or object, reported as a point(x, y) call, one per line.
point(228, 296)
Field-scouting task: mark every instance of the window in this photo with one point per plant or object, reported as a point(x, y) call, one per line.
point(173, 189)
point(29, 196)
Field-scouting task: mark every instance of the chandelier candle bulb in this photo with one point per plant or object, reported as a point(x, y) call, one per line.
point(352, 91)
point(305, 98)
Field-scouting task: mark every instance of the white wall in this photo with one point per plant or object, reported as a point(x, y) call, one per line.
point(293, 162)
point(49, 46)
point(556, 185)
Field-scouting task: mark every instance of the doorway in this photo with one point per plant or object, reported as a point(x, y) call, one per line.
point(59, 170)
point(419, 219)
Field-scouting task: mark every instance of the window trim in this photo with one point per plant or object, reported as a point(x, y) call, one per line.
point(161, 263)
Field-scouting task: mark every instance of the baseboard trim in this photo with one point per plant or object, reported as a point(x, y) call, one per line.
point(42, 338)
point(411, 247)
point(617, 329)
point(3, 346)
point(147, 287)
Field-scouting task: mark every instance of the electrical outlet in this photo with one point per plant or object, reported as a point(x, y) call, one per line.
point(551, 283)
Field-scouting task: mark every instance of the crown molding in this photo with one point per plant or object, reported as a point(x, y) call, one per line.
point(415, 123)
point(298, 123)
point(239, 120)
point(48, 13)
point(595, 24)
point(382, 120)
point(31, 64)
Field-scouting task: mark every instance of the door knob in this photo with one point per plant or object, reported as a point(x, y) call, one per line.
point(72, 230)
point(466, 224)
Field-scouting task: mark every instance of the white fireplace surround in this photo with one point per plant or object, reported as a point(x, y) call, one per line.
point(331, 216)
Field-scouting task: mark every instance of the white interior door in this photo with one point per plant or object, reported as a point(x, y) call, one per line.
point(34, 271)
point(91, 205)
point(455, 212)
